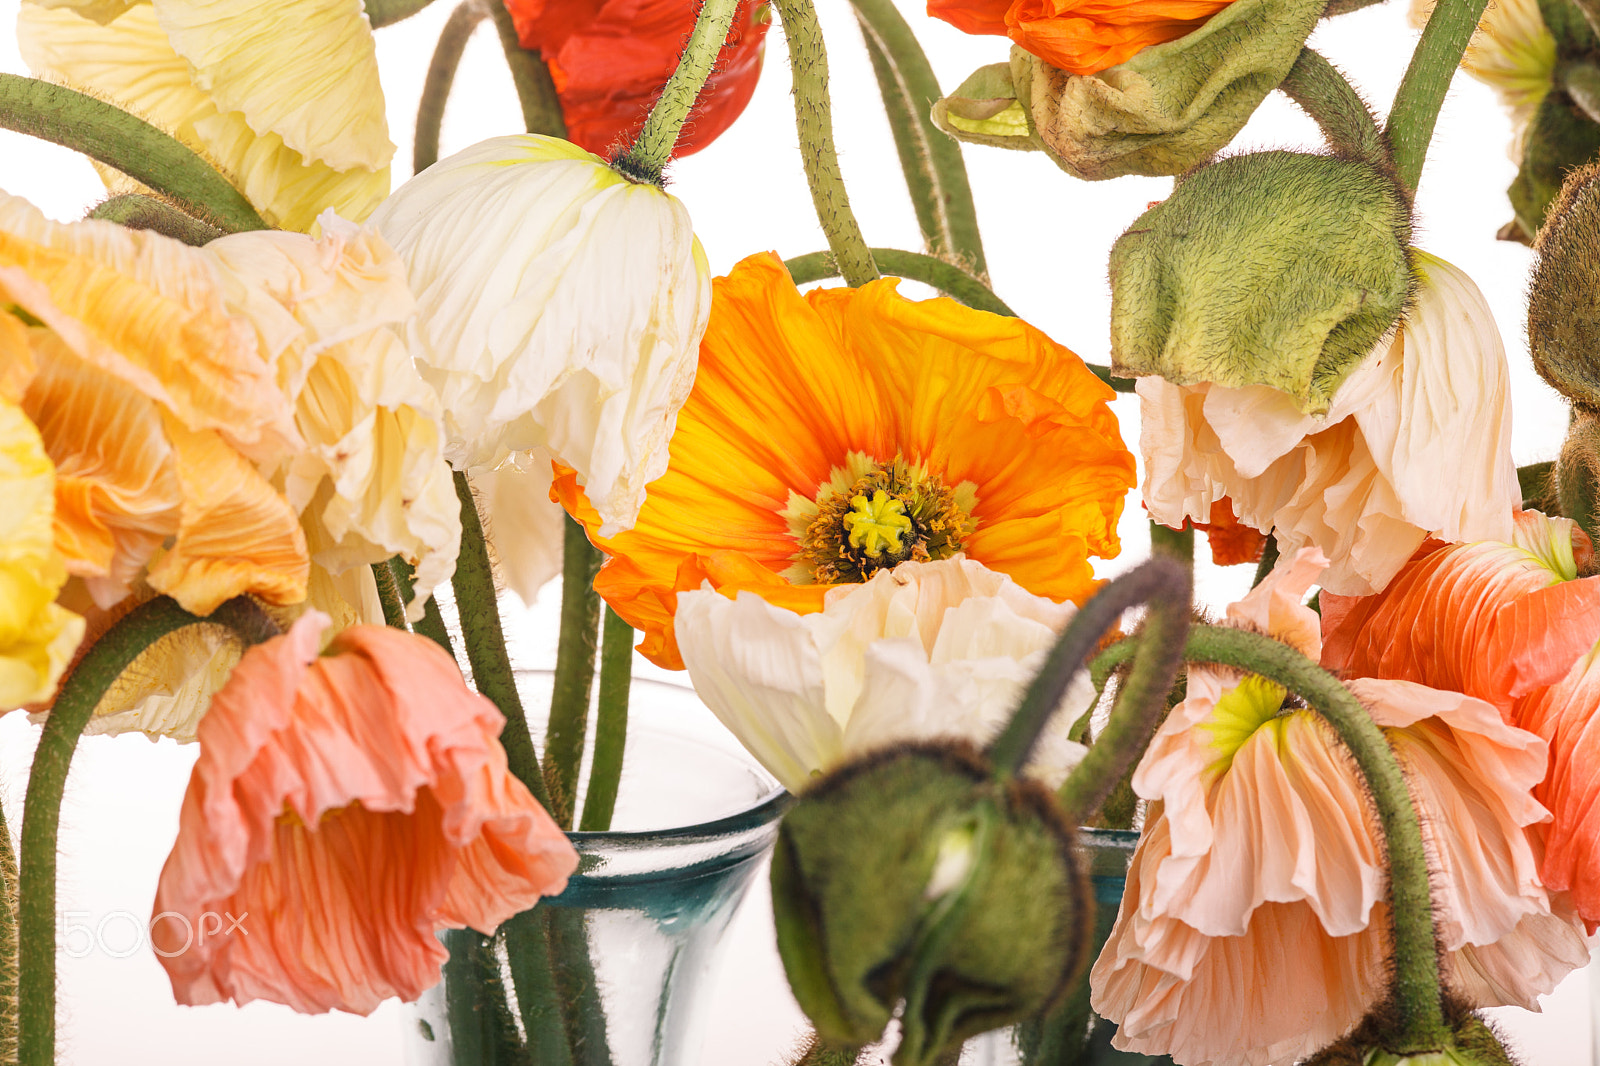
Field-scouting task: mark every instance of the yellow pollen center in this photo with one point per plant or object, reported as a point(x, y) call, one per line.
point(877, 523)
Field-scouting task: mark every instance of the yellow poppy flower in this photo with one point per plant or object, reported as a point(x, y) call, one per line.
point(284, 97)
point(836, 434)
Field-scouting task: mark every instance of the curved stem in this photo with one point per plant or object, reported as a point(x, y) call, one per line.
point(145, 212)
point(536, 92)
point(1427, 79)
point(431, 624)
point(41, 812)
point(813, 115)
point(1344, 7)
point(479, 609)
point(394, 605)
point(1159, 582)
point(117, 139)
point(610, 724)
point(1416, 963)
point(935, 172)
point(569, 699)
point(383, 13)
point(458, 30)
point(646, 158)
point(1324, 94)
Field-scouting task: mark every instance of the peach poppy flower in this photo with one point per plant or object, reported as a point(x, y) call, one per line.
point(1259, 856)
point(841, 432)
point(1079, 36)
point(345, 807)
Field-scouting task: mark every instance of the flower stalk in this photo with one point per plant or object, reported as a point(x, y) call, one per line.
point(394, 605)
point(646, 159)
point(1324, 94)
point(611, 723)
point(813, 114)
point(431, 624)
point(458, 30)
point(145, 212)
point(110, 135)
point(536, 91)
point(1427, 79)
point(383, 13)
point(574, 678)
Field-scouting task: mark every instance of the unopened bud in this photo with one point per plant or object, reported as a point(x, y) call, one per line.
point(1564, 298)
point(1275, 268)
point(911, 880)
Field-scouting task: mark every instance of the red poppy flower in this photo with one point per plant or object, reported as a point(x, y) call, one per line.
point(610, 59)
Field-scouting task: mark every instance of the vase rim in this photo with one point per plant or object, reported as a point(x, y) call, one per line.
point(763, 811)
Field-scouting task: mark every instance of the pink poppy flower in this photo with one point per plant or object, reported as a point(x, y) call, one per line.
point(345, 808)
point(1260, 857)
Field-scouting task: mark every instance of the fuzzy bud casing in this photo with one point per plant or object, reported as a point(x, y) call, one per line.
point(1564, 296)
point(912, 876)
point(1275, 268)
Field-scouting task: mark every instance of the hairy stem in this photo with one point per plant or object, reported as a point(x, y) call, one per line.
point(479, 608)
point(394, 607)
point(8, 946)
point(533, 976)
point(458, 30)
point(536, 92)
point(646, 159)
point(1160, 582)
point(1174, 543)
point(569, 700)
point(431, 624)
point(813, 115)
point(1324, 94)
point(146, 212)
point(109, 134)
point(383, 13)
point(936, 174)
point(1427, 79)
point(611, 723)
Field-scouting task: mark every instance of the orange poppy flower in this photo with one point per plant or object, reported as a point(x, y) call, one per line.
point(838, 433)
point(610, 59)
point(1079, 36)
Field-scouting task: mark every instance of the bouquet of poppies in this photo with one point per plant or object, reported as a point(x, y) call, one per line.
point(276, 440)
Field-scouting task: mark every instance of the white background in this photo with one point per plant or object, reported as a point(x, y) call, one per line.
point(1046, 236)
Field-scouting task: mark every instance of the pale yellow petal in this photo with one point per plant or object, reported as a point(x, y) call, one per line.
point(306, 70)
point(101, 11)
point(524, 525)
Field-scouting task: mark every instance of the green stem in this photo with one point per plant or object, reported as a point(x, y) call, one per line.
point(383, 13)
point(808, 60)
point(1269, 559)
point(1142, 696)
point(1324, 94)
point(1163, 584)
point(145, 212)
point(481, 1029)
point(935, 172)
point(394, 606)
point(577, 987)
point(131, 145)
point(611, 723)
point(647, 157)
point(1336, 8)
point(8, 946)
point(458, 30)
point(479, 610)
point(431, 624)
point(533, 976)
point(946, 277)
point(536, 92)
point(1174, 543)
point(1416, 963)
point(1427, 79)
point(569, 699)
point(816, 1053)
point(41, 811)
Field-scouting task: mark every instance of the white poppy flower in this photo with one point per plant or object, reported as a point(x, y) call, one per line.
point(559, 306)
point(931, 649)
point(1417, 443)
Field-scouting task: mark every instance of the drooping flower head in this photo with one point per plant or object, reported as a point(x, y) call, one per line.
point(834, 435)
point(924, 650)
point(1416, 442)
point(609, 60)
point(559, 307)
point(1259, 856)
point(1079, 36)
point(283, 97)
point(344, 808)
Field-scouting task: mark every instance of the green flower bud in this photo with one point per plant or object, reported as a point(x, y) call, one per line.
point(913, 877)
point(1564, 298)
point(1165, 110)
point(1559, 138)
point(1274, 268)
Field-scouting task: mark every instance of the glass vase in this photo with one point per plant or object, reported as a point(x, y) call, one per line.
point(615, 970)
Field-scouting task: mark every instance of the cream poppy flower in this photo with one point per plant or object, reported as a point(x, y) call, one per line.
point(941, 648)
point(283, 97)
point(1512, 52)
point(1259, 856)
point(559, 307)
point(1417, 443)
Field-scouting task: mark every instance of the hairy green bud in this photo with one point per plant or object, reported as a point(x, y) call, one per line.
point(912, 878)
point(1564, 297)
point(1275, 268)
point(1560, 138)
point(1471, 1043)
point(1163, 111)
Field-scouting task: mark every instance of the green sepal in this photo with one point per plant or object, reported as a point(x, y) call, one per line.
point(1471, 1043)
point(1275, 268)
point(1559, 138)
point(984, 109)
point(911, 877)
point(1163, 111)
